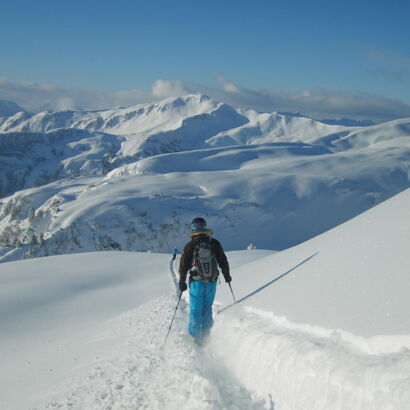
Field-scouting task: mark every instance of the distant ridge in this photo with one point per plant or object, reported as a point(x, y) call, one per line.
point(348, 122)
point(9, 108)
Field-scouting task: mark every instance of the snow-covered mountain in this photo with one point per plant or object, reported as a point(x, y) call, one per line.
point(132, 178)
point(86, 331)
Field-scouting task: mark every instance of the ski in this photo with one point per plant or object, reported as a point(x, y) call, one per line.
point(174, 278)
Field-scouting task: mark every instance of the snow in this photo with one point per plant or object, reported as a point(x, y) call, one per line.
point(356, 281)
point(326, 325)
point(298, 368)
point(87, 330)
point(299, 190)
point(131, 178)
point(50, 309)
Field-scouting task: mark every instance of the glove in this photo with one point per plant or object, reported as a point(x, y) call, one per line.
point(228, 278)
point(182, 286)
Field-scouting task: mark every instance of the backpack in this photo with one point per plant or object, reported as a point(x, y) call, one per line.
point(204, 264)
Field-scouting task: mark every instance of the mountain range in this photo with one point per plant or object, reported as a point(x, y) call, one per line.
point(132, 178)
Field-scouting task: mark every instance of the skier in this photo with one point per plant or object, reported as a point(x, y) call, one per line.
point(201, 257)
point(174, 253)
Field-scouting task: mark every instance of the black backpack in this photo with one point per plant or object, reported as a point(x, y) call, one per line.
point(204, 264)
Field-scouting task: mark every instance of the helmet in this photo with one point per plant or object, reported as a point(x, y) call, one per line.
point(198, 224)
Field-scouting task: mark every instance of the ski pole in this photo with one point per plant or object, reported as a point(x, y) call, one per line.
point(267, 284)
point(230, 287)
point(172, 321)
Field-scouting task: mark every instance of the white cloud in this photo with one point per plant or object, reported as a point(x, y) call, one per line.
point(319, 104)
point(129, 97)
point(316, 104)
point(228, 85)
point(43, 96)
point(165, 89)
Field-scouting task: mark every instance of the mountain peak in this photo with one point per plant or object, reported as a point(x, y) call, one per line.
point(187, 99)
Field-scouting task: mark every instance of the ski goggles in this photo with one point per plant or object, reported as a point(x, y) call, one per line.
point(197, 226)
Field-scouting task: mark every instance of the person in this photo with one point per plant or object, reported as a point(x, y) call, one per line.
point(201, 257)
point(174, 253)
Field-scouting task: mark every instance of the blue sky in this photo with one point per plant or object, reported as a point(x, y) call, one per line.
point(359, 48)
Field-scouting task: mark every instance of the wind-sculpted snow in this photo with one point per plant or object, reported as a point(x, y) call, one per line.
point(132, 178)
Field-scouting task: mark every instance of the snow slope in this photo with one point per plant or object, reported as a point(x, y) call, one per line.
point(350, 348)
point(54, 312)
point(85, 331)
point(357, 281)
point(51, 307)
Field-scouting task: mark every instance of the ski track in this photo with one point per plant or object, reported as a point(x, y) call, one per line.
point(253, 360)
point(140, 374)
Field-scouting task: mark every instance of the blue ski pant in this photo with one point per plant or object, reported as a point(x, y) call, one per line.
point(201, 299)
